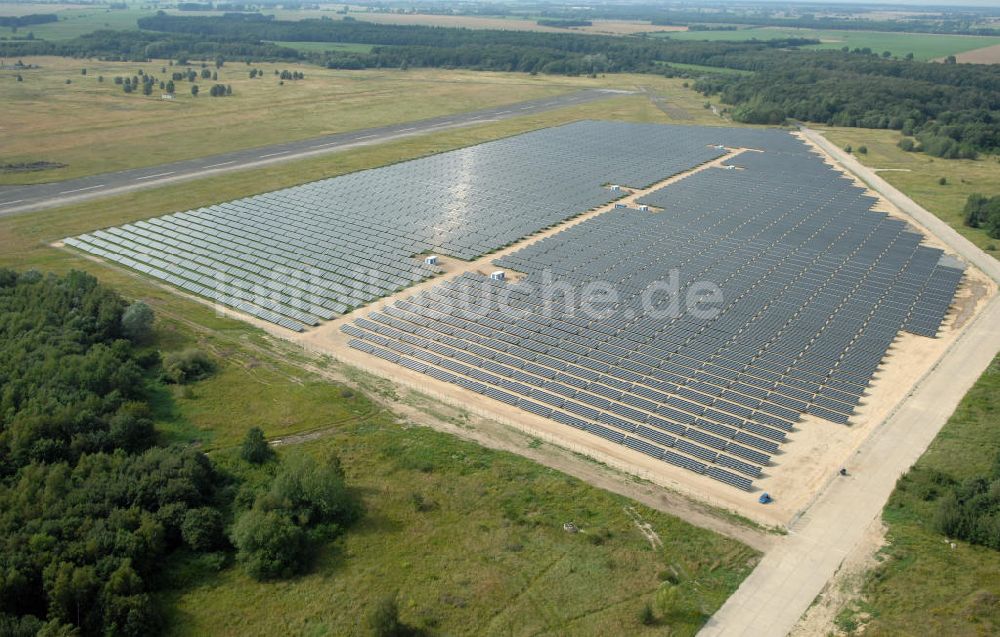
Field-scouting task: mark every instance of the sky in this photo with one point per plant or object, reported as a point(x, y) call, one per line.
point(911, 3)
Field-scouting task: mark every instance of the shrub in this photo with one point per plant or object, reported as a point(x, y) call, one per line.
point(131, 428)
point(202, 529)
point(943, 181)
point(269, 544)
point(646, 615)
point(187, 366)
point(312, 492)
point(137, 322)
point(384, 620)
point(862, 150)
point(255, 449)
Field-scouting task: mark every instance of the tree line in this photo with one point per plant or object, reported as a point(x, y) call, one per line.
point(28, 20)
point(141, 46)
point(950, 108)
point(92, 505)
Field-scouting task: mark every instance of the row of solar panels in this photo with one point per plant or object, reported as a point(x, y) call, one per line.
point(636, 437)
point(352, 238)
point(817, 286)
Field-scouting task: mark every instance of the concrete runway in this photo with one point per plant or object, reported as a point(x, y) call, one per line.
point(14, 199)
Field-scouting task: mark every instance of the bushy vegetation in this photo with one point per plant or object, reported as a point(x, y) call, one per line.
point(255, 449)
point(71, 384)
point(28, 20)
point(929, 581)
point(970, 510)
point(137, 322)
point(89, 507)
point(950, 108)
point(187, 366)
point(307, 502)
point(983, 212)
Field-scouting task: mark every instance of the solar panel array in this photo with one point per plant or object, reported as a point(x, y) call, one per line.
point(305, 254)
point(815, 286)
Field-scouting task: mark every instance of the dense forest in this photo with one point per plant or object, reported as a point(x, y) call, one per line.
point(950, 108)
point(91, 506)
point(28, 20)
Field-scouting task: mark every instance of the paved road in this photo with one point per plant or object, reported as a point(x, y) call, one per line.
point(790, 575)
point(36, 197)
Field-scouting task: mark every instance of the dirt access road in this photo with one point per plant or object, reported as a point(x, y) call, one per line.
point(797, 568)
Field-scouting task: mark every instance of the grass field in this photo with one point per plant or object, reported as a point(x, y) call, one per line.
point(96, 127)
point(922, 586)
point(488, 557)
point(706, 69)
point(73, 21)
point(917, 175)
point(923, 46)
point(320, 47)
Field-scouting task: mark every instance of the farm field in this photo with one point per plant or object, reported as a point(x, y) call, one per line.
point(985, 55)
point(28, 8)
point(95, 127)
point(491, 513)
point(921, 584)
point(917, 175)
point(606, 27)
point(75, 20)
point(923, 46)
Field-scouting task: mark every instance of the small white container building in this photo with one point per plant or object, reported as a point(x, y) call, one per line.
point(431, 259)
point(498, 275)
